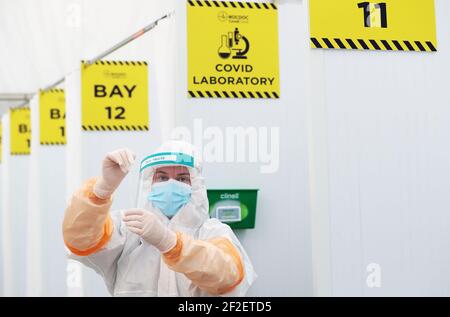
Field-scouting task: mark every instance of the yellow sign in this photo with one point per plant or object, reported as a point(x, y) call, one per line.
point(52, 117)
point(115, 96)
point(388, 25)
point(20, 129)
point(232, 50)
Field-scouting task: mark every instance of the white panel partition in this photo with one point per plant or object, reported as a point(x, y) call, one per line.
point(14, 205)
point(45, 247)
point(382, 169)
point(4, 202)
point(2, 256)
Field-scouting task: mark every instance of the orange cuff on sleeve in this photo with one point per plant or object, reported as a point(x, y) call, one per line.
point(107, 233)
point(88, 191)
point(173, 255)
point(207, 263)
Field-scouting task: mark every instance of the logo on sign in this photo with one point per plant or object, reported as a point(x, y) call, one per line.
point(229, 196)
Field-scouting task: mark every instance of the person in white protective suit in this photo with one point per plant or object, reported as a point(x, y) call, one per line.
point(168, 245)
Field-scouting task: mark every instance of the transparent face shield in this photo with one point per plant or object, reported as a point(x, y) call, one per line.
point(169, 175)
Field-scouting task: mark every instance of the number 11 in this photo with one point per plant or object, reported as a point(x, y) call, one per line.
point(369, 14)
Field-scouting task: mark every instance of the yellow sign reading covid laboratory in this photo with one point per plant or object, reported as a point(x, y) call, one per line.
point(397, 25)
point(232, 49)
point(20, 130)
point(52, 117)
point(115, 96)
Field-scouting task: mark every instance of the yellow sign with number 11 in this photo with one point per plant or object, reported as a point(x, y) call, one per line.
point(388, 25)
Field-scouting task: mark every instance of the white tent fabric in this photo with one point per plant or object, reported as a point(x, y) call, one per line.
point(46, 39)
point(34, 247)
point(46, 203)
point(14, 227)
point(1, 228)
point(380, 127)
point(4, 202)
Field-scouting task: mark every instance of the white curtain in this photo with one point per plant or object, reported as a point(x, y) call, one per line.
point(14, 227)
point(45, 248)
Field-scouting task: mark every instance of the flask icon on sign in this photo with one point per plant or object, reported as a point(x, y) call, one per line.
point(224, 50)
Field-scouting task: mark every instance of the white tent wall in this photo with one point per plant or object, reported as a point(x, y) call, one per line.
point(279, 246)
point(34, 241)
point(2, 256)
point(382, 201)
point(59, 33)
point(46, 204)
point(85, 150)
point(14, 226)
point(1, 236)
point(6, 258)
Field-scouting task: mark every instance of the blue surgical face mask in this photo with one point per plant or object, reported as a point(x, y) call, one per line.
point(170, 196)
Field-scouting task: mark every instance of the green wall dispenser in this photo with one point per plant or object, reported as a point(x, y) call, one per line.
point(235, 207)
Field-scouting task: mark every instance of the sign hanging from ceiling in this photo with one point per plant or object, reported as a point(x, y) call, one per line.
point(20, 129)
point(115, 96)
point(232, 50)
point(52, 117)
point(387, 25)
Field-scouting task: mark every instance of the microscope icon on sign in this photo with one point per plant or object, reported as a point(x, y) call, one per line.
point(234, 42)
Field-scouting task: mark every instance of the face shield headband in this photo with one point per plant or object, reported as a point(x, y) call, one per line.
point(167, 158)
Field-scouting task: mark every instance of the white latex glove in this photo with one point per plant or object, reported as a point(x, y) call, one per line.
point(115, 166)
point(150, 228)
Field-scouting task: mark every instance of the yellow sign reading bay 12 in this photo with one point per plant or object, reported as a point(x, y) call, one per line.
point(114, 96)
point(20, 129)
point(397, 25)
point(232, 50)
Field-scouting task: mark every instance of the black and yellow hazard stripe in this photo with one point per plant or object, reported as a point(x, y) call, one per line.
point(129, 63)
point(21, 108)
point(115, 128)
point(20, 153)
point(53, 143)
point(53, 90)
point(379, 45)
point(231, 4)
point(233, 94)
